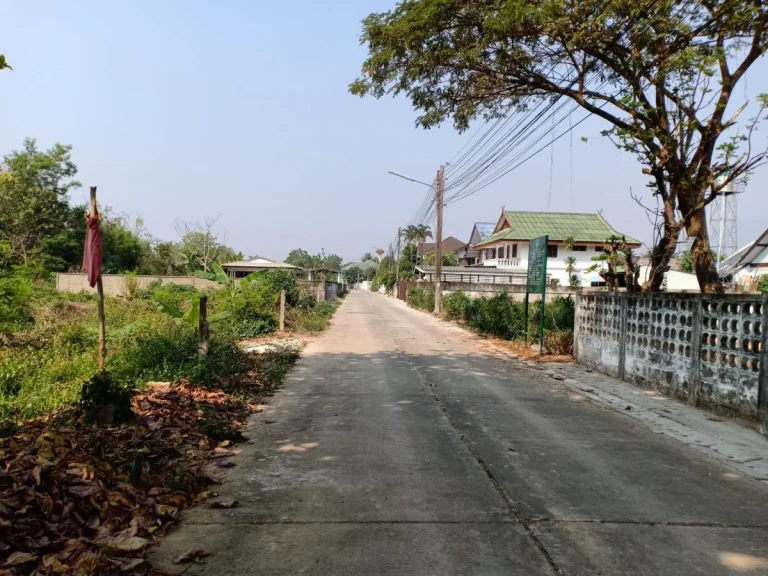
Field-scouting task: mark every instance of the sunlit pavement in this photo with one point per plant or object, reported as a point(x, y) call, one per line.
point(399, 446)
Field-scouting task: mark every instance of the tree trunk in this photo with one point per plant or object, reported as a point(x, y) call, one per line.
point(664, 250)
point(662, 255)
point(701, 254)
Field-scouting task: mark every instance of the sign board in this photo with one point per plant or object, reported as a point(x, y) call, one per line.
point(537, 265)
point(537, 280)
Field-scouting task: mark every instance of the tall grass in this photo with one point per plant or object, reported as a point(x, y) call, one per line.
point(48, 340)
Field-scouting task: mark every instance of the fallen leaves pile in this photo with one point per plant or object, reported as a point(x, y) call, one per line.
point(78, 498)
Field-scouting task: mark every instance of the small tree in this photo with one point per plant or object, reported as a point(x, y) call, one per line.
point(448, 259)
point(617, 253)
point(570, 268)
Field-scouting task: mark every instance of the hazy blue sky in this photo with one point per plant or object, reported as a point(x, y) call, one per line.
point(240, 108)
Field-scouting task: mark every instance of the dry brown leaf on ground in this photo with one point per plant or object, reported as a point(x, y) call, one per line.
point(224, 503)
point(191, 556)
point(18, 558)
point(79, 499)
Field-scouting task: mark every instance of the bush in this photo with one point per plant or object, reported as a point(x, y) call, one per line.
point(15, 300)
point(307, 300)
point(314, 320)
point(253, 307)
point(559, 342)
point(762, 283)
point(278, 280)
point(499, 315)
point(175, 295)
point(456, 306)
point(422, 298)
point(558, 315)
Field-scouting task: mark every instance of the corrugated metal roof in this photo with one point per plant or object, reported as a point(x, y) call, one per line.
point(367, 265)
point(557, 225)
point(473, 270)
point(259, 263)
point(484, 229)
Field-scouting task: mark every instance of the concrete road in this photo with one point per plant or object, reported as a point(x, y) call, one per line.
point(400, 446)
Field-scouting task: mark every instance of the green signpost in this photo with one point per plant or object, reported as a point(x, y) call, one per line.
point(537, 279)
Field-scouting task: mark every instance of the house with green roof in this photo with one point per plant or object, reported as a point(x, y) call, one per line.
point(507, 246)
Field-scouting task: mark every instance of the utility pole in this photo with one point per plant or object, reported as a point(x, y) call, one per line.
point(439, 189)
point(399, 233)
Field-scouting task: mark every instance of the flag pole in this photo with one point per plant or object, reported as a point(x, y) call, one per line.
point(100, 297)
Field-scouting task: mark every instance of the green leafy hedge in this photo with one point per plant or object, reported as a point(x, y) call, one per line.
point(500, 315)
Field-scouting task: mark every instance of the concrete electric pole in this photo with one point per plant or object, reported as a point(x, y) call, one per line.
point(399, 234)
point(439, 189)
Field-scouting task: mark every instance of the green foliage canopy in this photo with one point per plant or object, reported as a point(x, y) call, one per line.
point(661, 74)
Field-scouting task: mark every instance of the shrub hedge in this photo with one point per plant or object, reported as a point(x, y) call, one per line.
point(500, 315)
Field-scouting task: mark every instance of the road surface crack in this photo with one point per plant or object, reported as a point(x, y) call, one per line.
point(430, 386)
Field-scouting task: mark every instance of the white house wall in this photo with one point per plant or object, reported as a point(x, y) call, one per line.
point(556, 266)
point(676, 281)
point(757, 266)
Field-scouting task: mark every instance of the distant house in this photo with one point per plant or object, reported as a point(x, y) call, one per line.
point(675, 280)
point(745, 266)
point(480, 231)
point(245, 267)
point(451, 245)
point(507, 246)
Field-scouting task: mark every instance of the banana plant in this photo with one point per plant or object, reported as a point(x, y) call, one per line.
point(192, 316)
point(218, 275)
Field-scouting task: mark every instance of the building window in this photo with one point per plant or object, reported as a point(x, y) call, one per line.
point(599, 249)
point(580, 248)
point(552, 251)
point(514, 250)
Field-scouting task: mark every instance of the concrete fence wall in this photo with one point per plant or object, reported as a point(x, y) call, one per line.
point(707, 350)
point(516, 291)
point(322, 289)
point(117, 284)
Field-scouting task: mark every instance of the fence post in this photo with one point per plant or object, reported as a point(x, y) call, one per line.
point(623, 297)
point(762, 378)
point(202, 329)
point(576, 326)
point(282, 310)
point(693, 386)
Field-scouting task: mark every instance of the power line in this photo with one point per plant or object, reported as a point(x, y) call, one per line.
point(504, 173)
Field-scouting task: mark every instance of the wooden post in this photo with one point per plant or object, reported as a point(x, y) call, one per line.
point(202, 329)
point(100, 297)
point(282, 310)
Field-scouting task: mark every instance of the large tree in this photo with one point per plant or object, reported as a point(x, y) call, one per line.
point(33, 198)
point(201, 244)
point(661, 74)
point(304, 259)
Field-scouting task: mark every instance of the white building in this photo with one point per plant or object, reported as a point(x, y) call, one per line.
point(507, 247)
point(745, 267)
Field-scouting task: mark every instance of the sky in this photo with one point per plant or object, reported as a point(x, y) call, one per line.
point(240, 109)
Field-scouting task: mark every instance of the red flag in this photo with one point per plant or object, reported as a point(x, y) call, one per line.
point(94, 251)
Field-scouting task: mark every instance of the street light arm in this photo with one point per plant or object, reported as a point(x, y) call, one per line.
point(410, 179)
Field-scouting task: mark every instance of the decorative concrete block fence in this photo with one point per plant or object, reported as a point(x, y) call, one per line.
point(707, 350)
